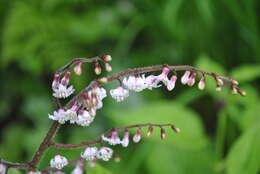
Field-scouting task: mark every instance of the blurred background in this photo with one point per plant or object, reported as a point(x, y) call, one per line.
point(220, 131)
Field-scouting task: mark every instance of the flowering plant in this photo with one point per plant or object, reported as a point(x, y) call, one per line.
point(81, 109)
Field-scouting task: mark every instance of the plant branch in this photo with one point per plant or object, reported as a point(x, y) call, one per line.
point(99, 140)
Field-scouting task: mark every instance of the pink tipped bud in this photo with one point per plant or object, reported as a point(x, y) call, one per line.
point(103, 80)
point(56, 81)
point(185, 77)
point(234, 89)
point(77, 68)
point(242, 93)
point(125, 140)
point(219, 81)
point(175, 129)
point(106, 58)
point(163, 134)
point(137, 136)
point(191, 80)
point(65, 80)
point(234, 82)
point(97, 68)
point(202, 83)
point(165, 70)
point(171, 83)
point(150, 131)
point(108, 67)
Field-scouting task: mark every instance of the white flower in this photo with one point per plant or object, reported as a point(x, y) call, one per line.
point(201, 84)
point(125, 140)
point(164, 75)
point(59, 116)
point(134, 83)
point(101, 93)
point(152, 81)
point(137, 136)
point(90, 153)
point(104, 153)
point(99, 104)
point(58, 162)
point(84, 118)
point(63, 91)
point(71, 114)
point(119, 94)
point(114, 140)
point(171, 83)
point(2, 169)
point(185, 77)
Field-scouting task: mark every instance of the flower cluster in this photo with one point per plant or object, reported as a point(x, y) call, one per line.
point(82, 114)
point(58, 162)
point(93, 153)
point(60, 86)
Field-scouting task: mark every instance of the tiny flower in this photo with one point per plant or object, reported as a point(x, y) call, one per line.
point(89, 153)
point(32, 172)
point(108, 67)
point(185, 77)
point(2, 169)
point(92, 112)
point(151, 82)
point(56, 81)
point(65, 80)
point(104, 153)
point(137, 136)
point(171, 82)
point(242, 93)
point(59, 116)
point(164, 75)
point(78, 69)
point(219, 81)
point(97, 68)
point(62, 91)
point(125, 140)
point(134, 83)
point(191, 80)
point(150, 131)
point(119, 94)
point(71, 114)
point(234, 90)
point(58, 162)
point(201, 84)
point(101, 93)
point(114, 140)
point(163, 134)
point(84, 118)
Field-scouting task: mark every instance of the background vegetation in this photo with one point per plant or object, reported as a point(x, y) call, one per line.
point(220, 132)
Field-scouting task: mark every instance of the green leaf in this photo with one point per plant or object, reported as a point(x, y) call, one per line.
point(246, 73)
point(166, 112)
point(13, 171)
point(244, 156)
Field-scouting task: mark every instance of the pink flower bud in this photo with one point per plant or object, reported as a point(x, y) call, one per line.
point(171, 82)
point(65, 80)
point(106, 58)
point(97, 68)
point(202, 83)
point(77, 68)
point(108, 67)
point(192, 78)
point(219, 81)
point(185, 77)
point(125, 140)
point(150, 131)
point(56, 81)
point(175, 129)
point(137, 136)
point(242, 93)
point(234, 89)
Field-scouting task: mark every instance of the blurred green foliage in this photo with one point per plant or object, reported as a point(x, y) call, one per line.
point(219, 131)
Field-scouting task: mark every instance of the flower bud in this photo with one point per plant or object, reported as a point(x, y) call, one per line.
point(150, 131)
point(171, 83)
point(65, 80)
point(77, 68)
point(185, 77)
point(218, 88)
point(137, 136)
point(175, 129)
point(192, 78)
point(97, 68)
point(163, 134)
point(108, 67)
point(202, 83)
point(242, 93)
point(219, 81)
point(56, 81)
point(234, 89)
point(125, 140)
point(106, 58)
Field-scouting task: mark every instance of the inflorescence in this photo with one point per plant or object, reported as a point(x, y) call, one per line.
point(82, 108)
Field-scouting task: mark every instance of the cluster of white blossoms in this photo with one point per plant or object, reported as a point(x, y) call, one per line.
point(2, 169)
point(115, 139)
point(93, 153)
point(59, 162)
point(60, 86)
point(76, 114)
